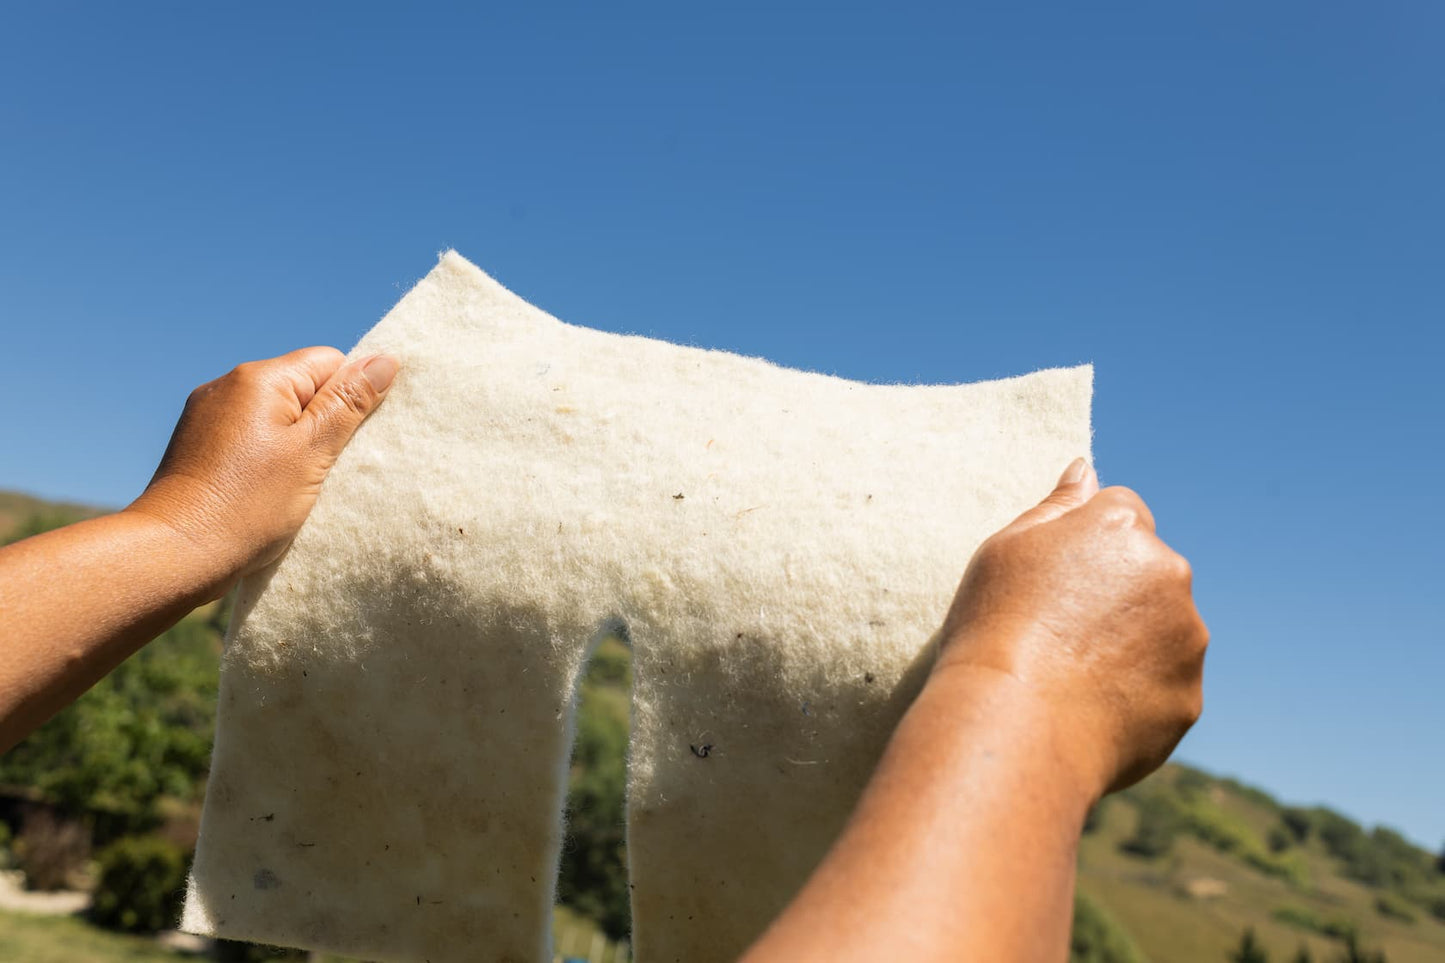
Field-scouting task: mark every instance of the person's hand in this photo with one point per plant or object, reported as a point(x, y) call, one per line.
point(1081, 602)
point(250, 452)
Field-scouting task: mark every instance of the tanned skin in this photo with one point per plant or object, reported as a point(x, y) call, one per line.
point(239, 477)
point(1071, 666)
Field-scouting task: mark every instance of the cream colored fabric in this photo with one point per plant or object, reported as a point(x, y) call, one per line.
point(779, 546)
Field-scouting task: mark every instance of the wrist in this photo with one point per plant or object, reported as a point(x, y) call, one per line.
point(1047, 734)
point(200, 561)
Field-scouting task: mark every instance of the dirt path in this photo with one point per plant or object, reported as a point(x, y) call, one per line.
point(15, 898)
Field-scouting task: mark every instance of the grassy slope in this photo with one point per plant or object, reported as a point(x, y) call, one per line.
point(65, 939)
point(69, 939)
point(1147, 896)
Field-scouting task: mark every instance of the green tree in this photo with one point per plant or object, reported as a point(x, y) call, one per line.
point(1395, 908)
point(593, 877)
point(1355, 953)
point(1097, 938)
point(1298, 822)
point(142, 880)
point(1249, 950)
point(1191, 782)
point(1158, 826)
point(143, 733)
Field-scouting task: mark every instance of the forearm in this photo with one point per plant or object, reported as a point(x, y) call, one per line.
point(242, 471)
point(962, 847)
point(77, 601)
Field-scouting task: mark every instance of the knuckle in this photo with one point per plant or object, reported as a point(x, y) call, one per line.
point(983, 556)
point(1128, 505)
point(199, 394)
point(1125, 499)
point(1195, 708)
point(246, 375)
point(995, 549)
point(321, 357)
point(1201, 633)
point(1121, 493)
point(355, 395)
point(323, 352)
point(1116, 514)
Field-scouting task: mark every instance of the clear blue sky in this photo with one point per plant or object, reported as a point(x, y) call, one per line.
point(1235, 211)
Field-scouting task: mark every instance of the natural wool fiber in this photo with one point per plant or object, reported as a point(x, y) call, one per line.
point(397, 691)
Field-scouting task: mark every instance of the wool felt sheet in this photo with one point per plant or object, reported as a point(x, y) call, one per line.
point(780, 547)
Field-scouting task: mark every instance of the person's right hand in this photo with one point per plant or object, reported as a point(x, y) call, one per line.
point(1081, 602)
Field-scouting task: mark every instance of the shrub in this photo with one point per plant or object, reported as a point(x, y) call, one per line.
point(1249, 950)
point(1096, 938)
point(142, 881)
point(1191, 782)
point(1395, 909)
point(1158, 825)
point(50, 849)
point(1355, 953)
point(1298, 822)
point(1289, 867)
point(1341, 836)
point(1251, 793)
point(1437, 909)
point(1300, 918)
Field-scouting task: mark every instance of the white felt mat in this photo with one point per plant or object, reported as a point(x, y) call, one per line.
point(779, 546)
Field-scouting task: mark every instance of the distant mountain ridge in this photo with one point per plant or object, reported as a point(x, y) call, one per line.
point(20, 512)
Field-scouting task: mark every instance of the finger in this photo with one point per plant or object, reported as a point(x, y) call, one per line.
point(348, 396)
point(1127, 501)
point(1076, 486)
point(306, 370)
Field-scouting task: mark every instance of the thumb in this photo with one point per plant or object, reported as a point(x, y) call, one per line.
point(348, 396)
point(1076, 485)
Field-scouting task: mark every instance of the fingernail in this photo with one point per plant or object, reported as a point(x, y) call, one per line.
point(1074, 473)
point(380, 370)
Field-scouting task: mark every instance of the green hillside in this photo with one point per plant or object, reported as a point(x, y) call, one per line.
point(1185, 862)
point(1174, 870)
point(22, 515)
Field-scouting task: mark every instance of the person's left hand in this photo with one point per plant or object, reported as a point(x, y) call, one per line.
point(250, 451)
